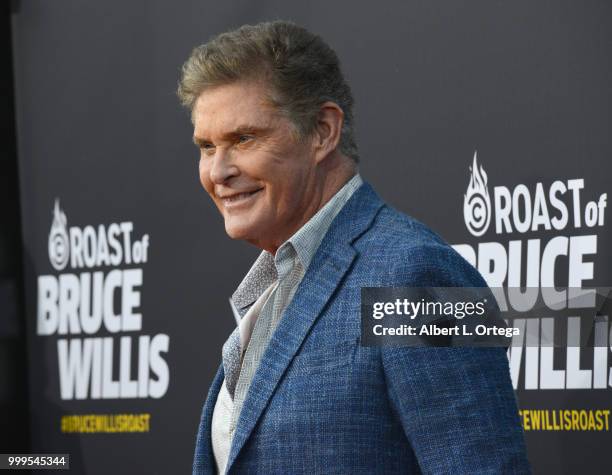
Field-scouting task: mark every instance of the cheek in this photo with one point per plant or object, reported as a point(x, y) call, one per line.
point(204, 175)
point(285, 199)
point(205, 181)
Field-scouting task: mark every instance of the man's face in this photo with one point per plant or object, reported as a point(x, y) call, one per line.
point(252, 165)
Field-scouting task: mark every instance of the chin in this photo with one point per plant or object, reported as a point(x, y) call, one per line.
point(238, 232)
point(234, 233)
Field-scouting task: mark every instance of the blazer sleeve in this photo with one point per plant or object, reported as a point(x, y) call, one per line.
point(456, 405)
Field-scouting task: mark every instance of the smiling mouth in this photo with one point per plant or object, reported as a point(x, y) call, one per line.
point(239, 197)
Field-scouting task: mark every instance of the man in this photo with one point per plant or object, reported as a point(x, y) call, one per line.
point(296, 392)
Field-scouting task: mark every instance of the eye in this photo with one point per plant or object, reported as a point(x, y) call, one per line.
point(207, 148)
point(244, 138)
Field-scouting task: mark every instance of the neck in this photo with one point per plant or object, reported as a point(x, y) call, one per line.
point(333, 177)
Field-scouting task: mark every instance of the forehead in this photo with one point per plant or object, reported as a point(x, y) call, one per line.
point(230, 106)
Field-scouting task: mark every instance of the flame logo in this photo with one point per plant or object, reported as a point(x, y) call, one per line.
point(476, 201)
point(59, 248)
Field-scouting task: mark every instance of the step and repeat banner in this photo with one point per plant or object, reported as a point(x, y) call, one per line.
point(489, 122)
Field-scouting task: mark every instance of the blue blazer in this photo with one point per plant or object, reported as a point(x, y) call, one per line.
point(321, 403)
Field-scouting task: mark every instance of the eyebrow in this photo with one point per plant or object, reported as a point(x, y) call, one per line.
point(240, 130)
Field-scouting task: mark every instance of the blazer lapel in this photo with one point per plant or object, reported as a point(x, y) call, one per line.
point(329, 265)
point(204, 461)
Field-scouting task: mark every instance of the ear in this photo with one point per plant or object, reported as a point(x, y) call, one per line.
point(328, 129)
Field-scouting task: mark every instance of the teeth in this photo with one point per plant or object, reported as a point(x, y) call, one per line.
point(239, 196)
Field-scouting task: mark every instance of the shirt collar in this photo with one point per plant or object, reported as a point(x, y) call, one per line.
point(259, 277)
point(307, 239)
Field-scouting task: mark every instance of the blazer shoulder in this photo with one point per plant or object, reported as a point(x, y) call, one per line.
point(414, 254)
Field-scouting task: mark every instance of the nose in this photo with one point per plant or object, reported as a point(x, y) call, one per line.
point(223, 167)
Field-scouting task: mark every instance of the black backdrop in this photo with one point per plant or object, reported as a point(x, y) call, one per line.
point(525, 85)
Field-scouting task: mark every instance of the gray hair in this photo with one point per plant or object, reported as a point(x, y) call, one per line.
point(304, 72)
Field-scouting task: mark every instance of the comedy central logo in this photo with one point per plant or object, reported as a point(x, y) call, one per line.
point(59, 246)
point(476, 201)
